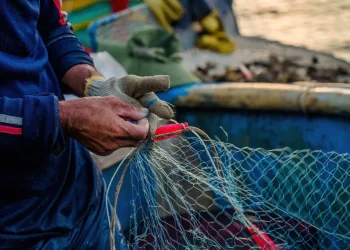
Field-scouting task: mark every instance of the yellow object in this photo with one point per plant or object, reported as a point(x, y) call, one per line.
point(166, 12)
point(85, 24)
point(81, 26)
point(218, 42)
point(89, 80)
point(214, 37)
point(309, 99)
point(73, 5)
point(211, 22)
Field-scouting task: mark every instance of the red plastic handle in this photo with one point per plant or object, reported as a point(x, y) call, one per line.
point(170, 128)
point(264, 244)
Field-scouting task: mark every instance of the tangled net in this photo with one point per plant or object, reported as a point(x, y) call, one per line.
point(207, 194)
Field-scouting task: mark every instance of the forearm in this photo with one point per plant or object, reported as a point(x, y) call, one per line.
point(75, 78)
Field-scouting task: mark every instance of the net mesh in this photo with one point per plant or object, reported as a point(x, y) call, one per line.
point(126, 23)
point(205, 194)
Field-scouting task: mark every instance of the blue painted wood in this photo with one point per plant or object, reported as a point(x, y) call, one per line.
point(268, 130)
point(271, 130)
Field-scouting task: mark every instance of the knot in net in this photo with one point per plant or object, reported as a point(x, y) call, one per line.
point(207, 194)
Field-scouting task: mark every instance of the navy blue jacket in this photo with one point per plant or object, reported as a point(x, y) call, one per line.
point(48, 183)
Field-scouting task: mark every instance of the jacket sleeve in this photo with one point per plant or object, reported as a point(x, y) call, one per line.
point(35, 127)
point(63, 47)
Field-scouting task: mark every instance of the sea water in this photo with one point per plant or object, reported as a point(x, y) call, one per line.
point(322, 25)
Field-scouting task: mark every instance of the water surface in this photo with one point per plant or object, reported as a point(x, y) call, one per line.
point(322, 25)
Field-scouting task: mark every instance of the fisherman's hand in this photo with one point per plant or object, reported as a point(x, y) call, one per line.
point(102, 124)
point(137, 91)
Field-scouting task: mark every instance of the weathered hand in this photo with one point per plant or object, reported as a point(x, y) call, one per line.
point(102, 124)
point(137, 91)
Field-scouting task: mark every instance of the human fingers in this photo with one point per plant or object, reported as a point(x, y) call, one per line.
point(156, 106)
point(129, 111)
point(138, 131)
point(136, 86)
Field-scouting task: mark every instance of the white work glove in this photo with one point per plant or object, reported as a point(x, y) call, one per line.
point(135, 90)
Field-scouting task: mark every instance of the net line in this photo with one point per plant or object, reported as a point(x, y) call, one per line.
point(281, 191)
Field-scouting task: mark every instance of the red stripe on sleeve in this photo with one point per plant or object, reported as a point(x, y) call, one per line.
point(10, 130)
point(58, 6)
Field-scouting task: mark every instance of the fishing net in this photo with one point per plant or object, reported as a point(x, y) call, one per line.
point(200, 193)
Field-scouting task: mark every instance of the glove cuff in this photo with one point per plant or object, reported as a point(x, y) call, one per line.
point(93, 85)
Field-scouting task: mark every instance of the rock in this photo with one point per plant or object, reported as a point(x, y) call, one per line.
point(283, 70)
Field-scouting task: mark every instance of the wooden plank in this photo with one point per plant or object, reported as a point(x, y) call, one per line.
point(269, 96)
